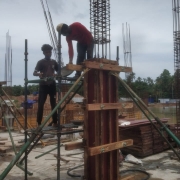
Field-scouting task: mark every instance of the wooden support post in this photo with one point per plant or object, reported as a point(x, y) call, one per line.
point(101, 124)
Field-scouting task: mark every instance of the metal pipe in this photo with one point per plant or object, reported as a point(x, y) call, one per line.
point(20, 167)
point(30, 149)
point(10, 135)
point(131, 93)
point(19, 114)
point(69, 99)
point(27, 144)
point(15, 108)
point(47, 152)
point(25, 105)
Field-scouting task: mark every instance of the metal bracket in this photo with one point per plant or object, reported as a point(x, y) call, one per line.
point(102, 106)
point(124, 144)
point(101, 65)
point(102, 150)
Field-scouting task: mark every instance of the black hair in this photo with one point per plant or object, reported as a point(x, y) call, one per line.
point(46, 47)
point(64, 28)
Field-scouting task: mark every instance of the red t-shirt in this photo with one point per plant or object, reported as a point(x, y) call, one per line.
point(80, 34)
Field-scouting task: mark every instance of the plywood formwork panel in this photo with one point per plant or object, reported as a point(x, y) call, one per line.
point(100, 126)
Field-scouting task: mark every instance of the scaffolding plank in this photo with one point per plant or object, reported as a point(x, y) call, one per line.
point(129, 177)
point(103, 66)
point(72, 107)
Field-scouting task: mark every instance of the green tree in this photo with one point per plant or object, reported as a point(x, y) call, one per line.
point(163, 84)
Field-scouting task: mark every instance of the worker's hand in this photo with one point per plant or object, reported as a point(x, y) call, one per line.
point(40, 75)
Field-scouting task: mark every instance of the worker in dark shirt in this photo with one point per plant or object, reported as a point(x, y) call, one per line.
point(84, 38)
point(46, 68)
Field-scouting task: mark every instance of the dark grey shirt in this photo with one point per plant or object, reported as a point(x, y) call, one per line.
point(48, 68)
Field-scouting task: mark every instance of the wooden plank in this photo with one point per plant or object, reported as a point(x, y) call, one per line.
point(3, 150)
point(102, 60)
point(74, 67)
point(129, 177)
point(3, 139)
point(106, 61)
point(109, 147)
point(103, 106)
point(72, 107)
point(110, 67)
point(75, 145)
point(3, 127)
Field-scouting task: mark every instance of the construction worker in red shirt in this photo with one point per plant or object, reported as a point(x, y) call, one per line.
point(77, 32)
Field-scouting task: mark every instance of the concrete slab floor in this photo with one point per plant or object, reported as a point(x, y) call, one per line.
point(160, 166)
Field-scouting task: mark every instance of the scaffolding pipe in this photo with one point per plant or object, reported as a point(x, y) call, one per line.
point(12, 112)
point(29, 141)
point(136, 99)
point(25, 105)
point(46, 152)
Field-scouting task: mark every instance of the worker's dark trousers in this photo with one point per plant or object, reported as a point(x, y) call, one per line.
point(44, 90)
point(81, 53)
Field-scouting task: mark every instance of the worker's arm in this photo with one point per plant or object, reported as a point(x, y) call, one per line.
point(37, 70)
point(71, 52)
point(36, 73)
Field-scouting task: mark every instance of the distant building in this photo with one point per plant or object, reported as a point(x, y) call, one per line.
point(166, 100)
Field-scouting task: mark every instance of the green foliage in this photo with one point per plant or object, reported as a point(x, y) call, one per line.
point(160, 88)
point(164, 83)
point(17, 90)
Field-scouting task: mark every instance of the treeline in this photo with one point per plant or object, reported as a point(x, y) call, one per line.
point(162, 87)
point(19, 90)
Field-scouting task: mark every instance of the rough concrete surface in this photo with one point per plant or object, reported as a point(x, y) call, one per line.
point(160, 166)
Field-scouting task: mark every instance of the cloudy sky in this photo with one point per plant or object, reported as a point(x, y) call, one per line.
point(151, 24)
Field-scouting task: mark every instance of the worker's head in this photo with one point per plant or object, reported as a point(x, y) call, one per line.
point(47, 50)
point(63, 29)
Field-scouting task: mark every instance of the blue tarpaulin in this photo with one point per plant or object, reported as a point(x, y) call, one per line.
point(29, 104)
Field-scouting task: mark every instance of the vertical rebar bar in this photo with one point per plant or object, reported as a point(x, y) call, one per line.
point(117, 54)
point(100, 26)
point(176, 38)
point(127, 47)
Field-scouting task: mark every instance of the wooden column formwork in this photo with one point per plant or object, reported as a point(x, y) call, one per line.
point(100, 125)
